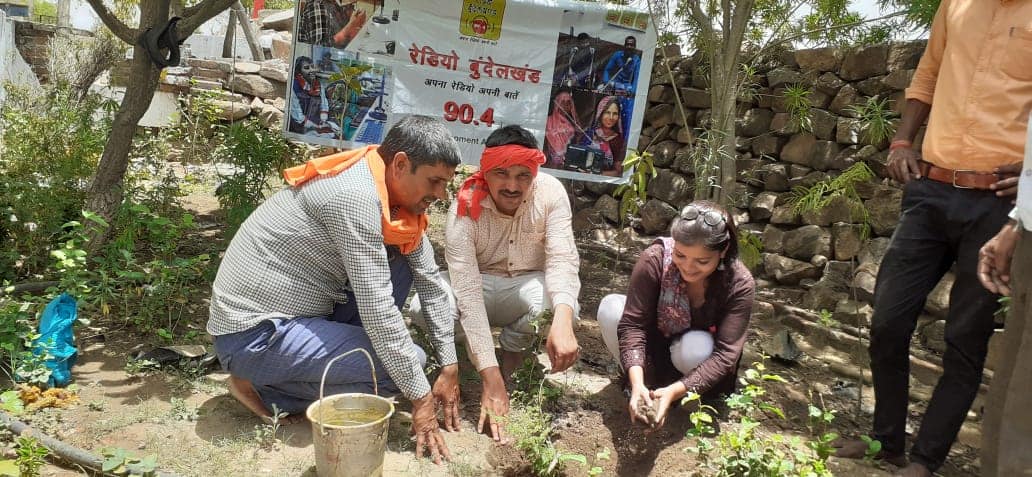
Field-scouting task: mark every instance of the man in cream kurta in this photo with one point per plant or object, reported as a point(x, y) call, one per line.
point(511, 256)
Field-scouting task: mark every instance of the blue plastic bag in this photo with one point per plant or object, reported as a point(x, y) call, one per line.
point(56, 337)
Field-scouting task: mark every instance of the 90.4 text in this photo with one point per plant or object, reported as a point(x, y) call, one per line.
point(464, 114)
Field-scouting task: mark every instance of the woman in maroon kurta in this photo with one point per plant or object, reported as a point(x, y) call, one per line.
point(682, 325)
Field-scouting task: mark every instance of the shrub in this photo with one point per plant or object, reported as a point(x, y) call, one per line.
point(49, 148)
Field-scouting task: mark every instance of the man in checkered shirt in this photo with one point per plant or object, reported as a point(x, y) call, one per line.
point(332, 23)
point(318, 270)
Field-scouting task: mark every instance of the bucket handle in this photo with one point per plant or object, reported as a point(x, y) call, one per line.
point(326, 370)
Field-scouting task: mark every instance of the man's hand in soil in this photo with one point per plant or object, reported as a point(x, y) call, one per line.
point(1008, 186)
point(903, 165)
point(494, 404)
point(665, 397)
point(424, 426)
point(994, 259)
point(446, 391)
point(562, 342)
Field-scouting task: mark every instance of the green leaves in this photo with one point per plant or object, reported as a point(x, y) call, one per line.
point(634, 193)
point(821, 194)
point(11, 403)
point(258, 154)
point(877, 119)
point(797, 101)
point(743, 449)
point(119, 462)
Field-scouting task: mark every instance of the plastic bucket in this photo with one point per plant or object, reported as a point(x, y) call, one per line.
point(349, 431)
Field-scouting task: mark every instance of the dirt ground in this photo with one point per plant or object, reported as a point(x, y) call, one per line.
point(196, 429)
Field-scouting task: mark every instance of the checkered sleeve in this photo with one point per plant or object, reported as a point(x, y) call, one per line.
point(353, 220)
point(313, 29)
point(426, 277)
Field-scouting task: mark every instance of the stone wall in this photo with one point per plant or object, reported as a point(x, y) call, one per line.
point(807, 260)
point(33, 42)
point(244, 88)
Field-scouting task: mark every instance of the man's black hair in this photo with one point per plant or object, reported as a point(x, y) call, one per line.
point(512, 134)
point(424, 139)
point(631, 38)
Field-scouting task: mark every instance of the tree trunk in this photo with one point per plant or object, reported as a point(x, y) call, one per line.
point(105, 192)
point(106, 189)
point(227, 43)
point(245, 24)
point(64, 18)
point(721, 144)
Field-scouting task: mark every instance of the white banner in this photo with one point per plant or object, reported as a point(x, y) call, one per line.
point(572, 73)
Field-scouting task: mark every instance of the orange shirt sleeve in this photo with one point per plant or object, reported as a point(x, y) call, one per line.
point(922, 86)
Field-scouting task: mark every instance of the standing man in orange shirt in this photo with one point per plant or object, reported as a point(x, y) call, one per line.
point(974, 85)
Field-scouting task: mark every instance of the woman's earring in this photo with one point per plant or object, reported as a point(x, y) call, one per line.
point(721, 267)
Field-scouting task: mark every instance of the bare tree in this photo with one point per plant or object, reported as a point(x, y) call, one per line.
point(105, 192)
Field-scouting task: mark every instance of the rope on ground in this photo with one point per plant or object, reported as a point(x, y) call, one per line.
point(65, 452)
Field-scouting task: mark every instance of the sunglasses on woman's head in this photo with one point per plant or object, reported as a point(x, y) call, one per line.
point(710, 217)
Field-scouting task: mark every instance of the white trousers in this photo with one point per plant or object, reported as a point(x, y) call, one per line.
point(512, 304)
point(687, 351)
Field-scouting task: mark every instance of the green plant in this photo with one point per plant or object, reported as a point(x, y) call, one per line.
point(876, 118)
point(118, 461)
point(528, 422)
point(181, 411)
point(31, 456)
point(750, 248)
point(633, 194)
point(825, 318)
point(140, 367)
point(874, 446)
point(266, 434)
point(706, 156)
point(45, 12)
point(1004, 309)
point(599, 456)
point(346, 97)
point(50, 143)
point(797, 102)
point(743, 451)
point(531, 428)
point(198, 129)
point(750, 83)
point(10, 402)
point(818, 196)
point(257, 153)
point(528, 381)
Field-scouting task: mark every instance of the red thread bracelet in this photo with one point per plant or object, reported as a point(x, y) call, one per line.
point(899, 144)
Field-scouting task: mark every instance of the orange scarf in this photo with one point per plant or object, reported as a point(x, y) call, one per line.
point(406, 232)
point(474, 189)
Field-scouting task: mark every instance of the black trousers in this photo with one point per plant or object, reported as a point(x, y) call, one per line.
point(940, 225)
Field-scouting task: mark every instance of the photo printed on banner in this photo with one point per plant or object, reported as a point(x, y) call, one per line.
point(336, 98)
point(593, 92)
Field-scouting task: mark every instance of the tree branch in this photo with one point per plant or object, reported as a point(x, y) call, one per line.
point(783, 24)
point(825, 29)
point(673, 81)
point(196, 15)
point(118, 27)
point(705, 23)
